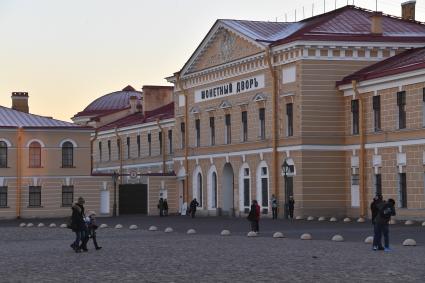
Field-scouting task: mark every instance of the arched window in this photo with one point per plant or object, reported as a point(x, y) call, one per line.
point(214, 190)
point(67, 155)
point(199, 188)
point(3, 154)
point(263, 185)
point(35, 155)
point(244, 188)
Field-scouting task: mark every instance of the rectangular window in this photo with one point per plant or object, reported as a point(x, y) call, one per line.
point(170, 141)
point(212, 130)
point(244, 126)
point(264, 192)
point(3, 154)
point(128, 148)
point(402, 190)
point(119, 148)
point(377, 112)
point(262, 118)
point(138, 145)
point(34, 196)
point(149, 144)
point(183, 134)
point(228, 129)
point(378, 184)
point(67, 195)
point(355, 179)
point(3, 196)
point(246, 192)
point(289, 120)
point(355, 116)
point(109, 150)
point(401, 103)
point(160, 142)
point(100, 151)
point(198, 132)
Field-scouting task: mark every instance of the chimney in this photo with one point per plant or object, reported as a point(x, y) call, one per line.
point(408, 10)
point(133, 104)
point(376, 23)
point(20, 101)
point(156, 96)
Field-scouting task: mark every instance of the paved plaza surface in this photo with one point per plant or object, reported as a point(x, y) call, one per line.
point(43, 254)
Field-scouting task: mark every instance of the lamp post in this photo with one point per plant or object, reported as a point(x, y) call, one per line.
point(114, 208)
point(285, 170)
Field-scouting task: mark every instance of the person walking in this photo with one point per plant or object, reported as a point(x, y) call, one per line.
point(161, 207)
point(291, 206)
point(374, 211)
point(382, 219)
point(78, 226)
point(193, 205)
point(92, 227)
point(165, 207)
point(274, 206)
point(254, 216)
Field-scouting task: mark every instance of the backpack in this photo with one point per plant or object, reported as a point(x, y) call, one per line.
point(386, 212)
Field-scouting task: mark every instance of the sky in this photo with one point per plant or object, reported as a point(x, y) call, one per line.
point(66, 54)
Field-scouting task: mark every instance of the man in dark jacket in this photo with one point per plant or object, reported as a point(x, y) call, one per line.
point(193, 205)
point(382, 219)
point(374, 210)
point(161, 207)
point(79, 227)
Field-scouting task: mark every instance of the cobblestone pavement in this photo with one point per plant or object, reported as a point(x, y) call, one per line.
point(43, 254)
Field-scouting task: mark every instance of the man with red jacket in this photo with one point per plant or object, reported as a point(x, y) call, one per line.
point(254, 216)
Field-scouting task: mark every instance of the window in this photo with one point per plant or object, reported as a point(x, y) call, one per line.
point(244, 126)
point(100, 151)
point(3, 196)
point(34, 196)
point(199, 179)
point(355, 179)
point(401, 103)
point(138, 145)
point(212, 130)
point(262, 118)
point(119, 148)
point(170, 141)
point(3, 154)
point(423, 107)
point(35, 155)
point(109, 150)
point(214, 190)
point(246, 186)
point(67, 195)
point(67, 155)
point(377, 112)
point(355, 116)
point(402, 190)
point(264, 187)
point(128, 148)
point(378, 184)
point(289, 120)
point(198, 132)
point(183, 134)
point(228, 129)
point(160, 142)
point(149, 144)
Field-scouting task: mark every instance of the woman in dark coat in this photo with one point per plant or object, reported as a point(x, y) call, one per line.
point(254, 216)
point(78, 226)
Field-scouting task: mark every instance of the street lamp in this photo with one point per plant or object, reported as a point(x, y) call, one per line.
point(114, 208)
point(286, 170)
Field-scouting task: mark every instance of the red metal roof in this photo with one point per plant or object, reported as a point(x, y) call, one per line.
point(410, 60)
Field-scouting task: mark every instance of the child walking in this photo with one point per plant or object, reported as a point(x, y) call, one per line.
point(92, 227)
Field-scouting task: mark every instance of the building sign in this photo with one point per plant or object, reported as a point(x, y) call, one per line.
point(230, 88)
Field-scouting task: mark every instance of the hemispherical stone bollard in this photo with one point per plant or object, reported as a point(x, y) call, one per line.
point(299, 217)
point(278, 235)
point(25, 224)
point(40, 225)
point(409, 222)
point(30, 225)
point(252, 234)
point(361, 220)
point(52, 225)
point(338, 238)
point(133, 227)
point(191, 231)
point(102, 226)
point(168, 230)
point(322, 218)
point(369, 240)
point(409, 242)
point(225, 233)
point(333, 219)
point(393, 221)
point(153, 228)
point(310, 218)
point(306, 236)
point(347, 219)
point(118, 226)
point(64, 225)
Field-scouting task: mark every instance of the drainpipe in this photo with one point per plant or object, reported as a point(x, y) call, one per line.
point(162, 145)
point(91, 151)
point(121, 153)
point(186, 138)
point(362, 158)
point(19, 171)
point(275, 166)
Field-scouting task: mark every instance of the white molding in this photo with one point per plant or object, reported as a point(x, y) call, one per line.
point(139, 128)
point(74, 144)
point(8, 143)
point(140, 165)
point(35, 140)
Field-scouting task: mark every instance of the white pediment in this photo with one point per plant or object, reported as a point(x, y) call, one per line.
point(259, 97)
point(225, 104)
point(194, 110)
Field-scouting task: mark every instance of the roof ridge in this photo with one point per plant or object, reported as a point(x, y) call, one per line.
point(36, 115)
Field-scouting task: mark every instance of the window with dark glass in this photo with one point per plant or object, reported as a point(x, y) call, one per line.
point(214, 190)
point(100, 151)
point(377, 112)
point(198, 132)
point(183, 134)
point(170, 141)
point(402, 190)
point(3, 196)
point(264, 188)
point(67, 195)
point(34, 196)
point(160, 142)
point(200, 189)
point(109, 150)
point(128, 148)
point(119, 148)
point(246, 185)
point(138, 145)
point(228, 129)
point(401, 103)
point(35, 155)
point(67, 155)
point(212, 130)
point(423, 107)
point(244, 126)
point(289, 119)
point(3, 154)
point(262, 119)
point(149, 144)
point(355, 115)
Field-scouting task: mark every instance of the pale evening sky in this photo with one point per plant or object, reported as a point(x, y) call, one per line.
point(68, 53)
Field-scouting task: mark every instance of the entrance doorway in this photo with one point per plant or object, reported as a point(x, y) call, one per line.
point(228, 190)
point(133, 199)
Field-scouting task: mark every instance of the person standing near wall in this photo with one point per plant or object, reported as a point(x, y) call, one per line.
point(386, 210)
point(274, 206)
point(375, 210)
point(291, 206)
point(161, 207)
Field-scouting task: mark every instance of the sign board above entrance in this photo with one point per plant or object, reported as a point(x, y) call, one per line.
point(230, 88)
